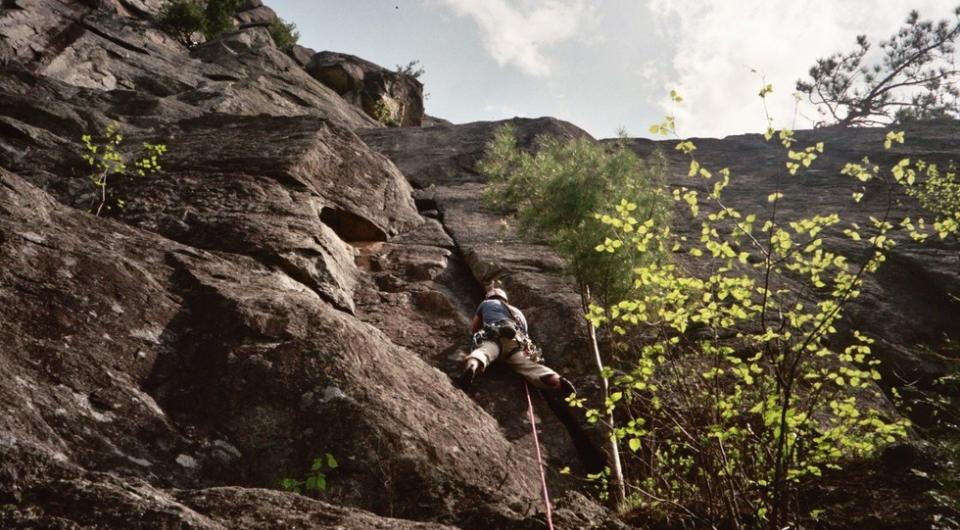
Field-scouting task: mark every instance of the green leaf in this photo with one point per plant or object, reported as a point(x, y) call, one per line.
point(634, 444)
point(331, 461)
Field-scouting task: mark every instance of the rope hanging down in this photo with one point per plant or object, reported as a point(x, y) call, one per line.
point(536, 443)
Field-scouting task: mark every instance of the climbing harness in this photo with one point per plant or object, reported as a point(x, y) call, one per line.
point(536, 443)
point(513, 329)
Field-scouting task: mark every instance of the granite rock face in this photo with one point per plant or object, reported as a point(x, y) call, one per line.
point(296, 280)
point(99, 48)
point(271, 295)
point(130, 355)
point(390, 97)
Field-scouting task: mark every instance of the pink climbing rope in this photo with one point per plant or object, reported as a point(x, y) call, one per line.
point(536, 443)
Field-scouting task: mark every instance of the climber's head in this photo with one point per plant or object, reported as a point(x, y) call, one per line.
point(497, 292)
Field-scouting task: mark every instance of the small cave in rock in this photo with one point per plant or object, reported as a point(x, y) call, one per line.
point(425, 203)
point(350, 226)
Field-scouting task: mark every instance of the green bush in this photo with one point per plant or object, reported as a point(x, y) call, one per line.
point(731, 375)
point(183, 19)
point(219, 17)
point(388, 111)
point(284, 34)
point(316, 480)
point(556, 192)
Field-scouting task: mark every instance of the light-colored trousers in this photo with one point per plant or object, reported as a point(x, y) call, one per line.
point(488, 352)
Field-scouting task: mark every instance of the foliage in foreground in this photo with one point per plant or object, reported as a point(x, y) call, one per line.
point(747, 386)
point(916, 77)
point(738, 384)
point(939, 194)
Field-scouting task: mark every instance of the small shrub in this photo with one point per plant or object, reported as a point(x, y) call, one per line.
point(183, 19)
point(284, 34)
point(106, 161)
point(316, 479)
point(387, 112)
point(219, 17)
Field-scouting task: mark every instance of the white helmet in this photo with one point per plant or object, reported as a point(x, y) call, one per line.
point(497, 292)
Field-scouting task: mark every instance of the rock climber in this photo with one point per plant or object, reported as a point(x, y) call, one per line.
point(500, 332)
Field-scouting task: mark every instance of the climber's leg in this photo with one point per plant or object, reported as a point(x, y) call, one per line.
point(477, 361)
point(538, 375)
point(484, 354)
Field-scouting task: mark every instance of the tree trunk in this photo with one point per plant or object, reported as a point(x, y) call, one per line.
point(616, 472)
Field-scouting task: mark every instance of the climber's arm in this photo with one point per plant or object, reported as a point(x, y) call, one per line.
point(477, 324)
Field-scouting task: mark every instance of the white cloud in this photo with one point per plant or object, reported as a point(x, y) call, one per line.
point(718, 42)
point(519, 33)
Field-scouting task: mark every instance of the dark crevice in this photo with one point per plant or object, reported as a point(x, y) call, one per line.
point(350, 226)
point(425, 203)
point(221, 77)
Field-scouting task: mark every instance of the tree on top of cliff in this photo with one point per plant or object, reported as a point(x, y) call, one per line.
point(916, 77)
point(284, 34)
point(219, 15)
point(185, 18)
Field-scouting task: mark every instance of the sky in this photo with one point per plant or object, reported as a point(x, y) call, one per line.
point(606, 65)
